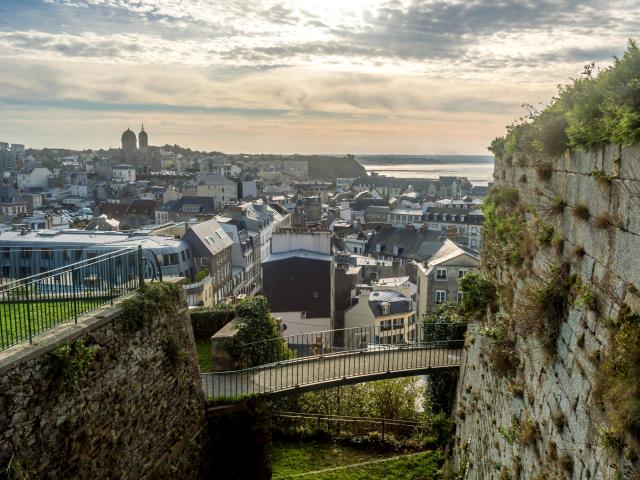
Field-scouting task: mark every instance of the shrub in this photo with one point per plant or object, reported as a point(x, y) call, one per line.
point(478, 293)
point(529, 432)
point(584, 298)
point(557, 206)
point(255, 324)
point(502, 355)
point(140, 310)
point(446, 322)
point(70, 363)
point(201, 275)
point(511, 432)
point(589, 112)
point(545, 235)
point(545, 308)
point(581, 211)
point(612, 442)
point(207, 321)
point(544, 171)
point(617, 380)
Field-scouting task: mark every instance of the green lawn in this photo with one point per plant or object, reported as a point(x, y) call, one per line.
point(295, 458)
point(14, 317)
point(204, 354)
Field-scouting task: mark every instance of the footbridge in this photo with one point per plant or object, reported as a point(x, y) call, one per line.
point(331, 358)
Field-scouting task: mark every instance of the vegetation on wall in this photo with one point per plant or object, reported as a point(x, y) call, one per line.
point(502, 354)
point(155, 297)
point(505, 232)
point(446, 322)
point(70, 363)
point(600, 107)
point(478, 293)
point(256, 326)
point(545, 307)
point(618, 382)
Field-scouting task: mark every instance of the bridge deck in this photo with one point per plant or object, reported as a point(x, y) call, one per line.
point(328, 370)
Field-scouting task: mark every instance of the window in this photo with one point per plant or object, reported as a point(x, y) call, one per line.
point(474, 243)
point(458, 297)
point(441, 274)
point(462, 272)
point(441, 296)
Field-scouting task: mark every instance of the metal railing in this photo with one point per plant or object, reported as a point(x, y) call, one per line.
point(290, 421)
point(329, 357)
point(35, 304)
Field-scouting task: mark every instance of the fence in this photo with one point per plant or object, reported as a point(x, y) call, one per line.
point(291, 421)
point(330, 357)
point(35, 304)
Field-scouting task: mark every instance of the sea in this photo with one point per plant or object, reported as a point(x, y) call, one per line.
point(477, 168)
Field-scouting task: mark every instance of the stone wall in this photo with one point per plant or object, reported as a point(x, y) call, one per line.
point(137, 413)
point(556, 394)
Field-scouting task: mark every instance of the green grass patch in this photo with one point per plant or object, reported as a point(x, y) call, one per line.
point(296, 458)
point(15, 318)
point(203, 347)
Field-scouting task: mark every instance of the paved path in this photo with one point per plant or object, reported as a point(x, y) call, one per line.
point(328, 370)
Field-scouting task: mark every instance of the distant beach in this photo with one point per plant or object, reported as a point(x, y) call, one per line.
point(477, 168)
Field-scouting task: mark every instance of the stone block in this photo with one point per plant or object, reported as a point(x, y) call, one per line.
point(222, 346)
point(611, 160)
point(593, 194)
point(625, 260)
point(572, 189)
point(633, 222)
point(630, 163)
point(584, 162)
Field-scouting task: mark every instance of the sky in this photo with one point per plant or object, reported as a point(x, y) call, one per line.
point(284, 76)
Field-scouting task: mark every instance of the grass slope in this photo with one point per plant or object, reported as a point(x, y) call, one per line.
point(329, 461)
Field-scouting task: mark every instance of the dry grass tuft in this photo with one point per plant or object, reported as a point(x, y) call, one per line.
point(581, 211)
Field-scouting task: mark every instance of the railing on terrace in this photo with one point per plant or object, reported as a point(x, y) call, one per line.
point(307, 361)
point(35, 304)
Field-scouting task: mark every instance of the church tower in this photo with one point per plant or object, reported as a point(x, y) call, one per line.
point(129, 144)
point(143, 139)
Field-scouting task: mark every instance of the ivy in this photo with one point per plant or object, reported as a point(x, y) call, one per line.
point(140, 311)
point(478, 293)
point(258, 340)
point(70, 363)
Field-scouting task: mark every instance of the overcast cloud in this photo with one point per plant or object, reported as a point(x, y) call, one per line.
point(407, 76)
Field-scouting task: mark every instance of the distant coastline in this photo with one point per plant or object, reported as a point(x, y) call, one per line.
point(477, 168)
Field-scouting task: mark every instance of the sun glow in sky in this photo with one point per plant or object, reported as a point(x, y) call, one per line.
point(330, 76)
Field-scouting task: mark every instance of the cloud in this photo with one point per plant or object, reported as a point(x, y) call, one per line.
point(424, 68)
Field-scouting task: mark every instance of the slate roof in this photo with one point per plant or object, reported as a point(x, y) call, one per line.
point(398, 303)
point(8, 194)
point(205, 205)
point(415, 244)
point(207, 239)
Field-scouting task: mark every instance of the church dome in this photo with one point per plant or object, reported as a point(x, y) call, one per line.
point(128, 135)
